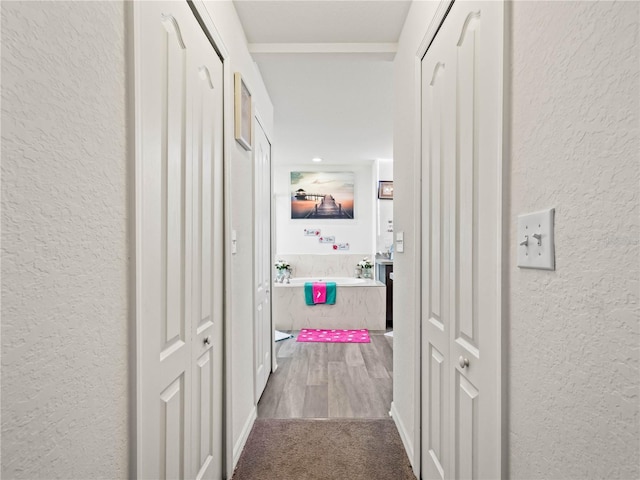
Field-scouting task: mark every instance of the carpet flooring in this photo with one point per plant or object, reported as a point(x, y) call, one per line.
point(323, 449)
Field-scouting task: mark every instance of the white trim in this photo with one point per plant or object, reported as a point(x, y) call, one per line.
point(323, 47)
point(416, 458)
point(503, 255)
point(244, 436)
point(210, 29)
point(405, 437)
point(135, 12)
point(133, 100)
point(434, 26)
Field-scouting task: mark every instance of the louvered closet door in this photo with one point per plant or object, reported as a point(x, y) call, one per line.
point(178, 244)
point(461, 251)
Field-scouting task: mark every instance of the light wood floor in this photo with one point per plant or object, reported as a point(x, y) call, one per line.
point(338, 380)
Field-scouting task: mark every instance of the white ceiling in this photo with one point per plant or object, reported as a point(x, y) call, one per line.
point(334, 105)
point(302, 21)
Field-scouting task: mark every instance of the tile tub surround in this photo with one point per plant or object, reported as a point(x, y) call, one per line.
point(330, 265)
point(357, 306)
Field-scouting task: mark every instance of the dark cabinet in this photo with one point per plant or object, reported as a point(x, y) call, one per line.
point(384, 271)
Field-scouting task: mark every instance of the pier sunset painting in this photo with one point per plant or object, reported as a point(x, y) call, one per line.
point(322, 195)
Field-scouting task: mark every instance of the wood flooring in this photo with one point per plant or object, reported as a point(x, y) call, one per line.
point(330, 380)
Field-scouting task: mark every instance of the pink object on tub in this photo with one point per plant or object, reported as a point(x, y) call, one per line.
point(319, 292)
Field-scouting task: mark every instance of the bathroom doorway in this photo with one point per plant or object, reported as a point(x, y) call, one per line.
point(333, 110)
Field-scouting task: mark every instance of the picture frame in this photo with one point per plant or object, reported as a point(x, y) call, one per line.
point(242, 109)
point(322, 195)
point(385, 190)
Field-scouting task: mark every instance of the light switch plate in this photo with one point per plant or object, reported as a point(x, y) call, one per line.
point(400, 242)
point(234, 242)
point(536, 240)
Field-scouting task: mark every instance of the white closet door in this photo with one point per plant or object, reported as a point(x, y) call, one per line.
point(206, 130)
point(262, 331)
point(438, 134)
point(178, 232)
point(461, 267)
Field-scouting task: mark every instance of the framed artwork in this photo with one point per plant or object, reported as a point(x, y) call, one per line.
point(242, 108)
point(322, 195)
point(385, 190)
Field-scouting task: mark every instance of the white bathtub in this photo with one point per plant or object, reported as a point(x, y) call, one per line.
point(360, 303)
point(340, 281)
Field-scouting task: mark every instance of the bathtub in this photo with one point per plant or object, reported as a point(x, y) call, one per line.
point(360, 303)
point(340, 281)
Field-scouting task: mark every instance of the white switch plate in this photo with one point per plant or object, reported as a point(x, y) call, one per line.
point(234, 242)
point(400, 242)
point(534, 252)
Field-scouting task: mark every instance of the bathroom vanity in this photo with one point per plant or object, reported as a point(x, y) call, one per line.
point(384, 269)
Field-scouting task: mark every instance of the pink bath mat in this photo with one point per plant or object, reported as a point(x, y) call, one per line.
point(334, 336)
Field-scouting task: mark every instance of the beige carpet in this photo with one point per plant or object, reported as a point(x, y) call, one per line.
point(325, 449)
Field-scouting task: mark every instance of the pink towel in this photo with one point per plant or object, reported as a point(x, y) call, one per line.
point(319, 292)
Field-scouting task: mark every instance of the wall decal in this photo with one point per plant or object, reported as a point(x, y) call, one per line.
point(341, 246)
point(324, 195)
point(312, 232)
point(330, 239)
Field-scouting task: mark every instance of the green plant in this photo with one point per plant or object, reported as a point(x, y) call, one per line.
point(282, 265)
point(365, 263)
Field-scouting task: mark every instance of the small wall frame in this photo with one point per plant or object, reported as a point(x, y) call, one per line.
point(242, 108)
point(385, 190)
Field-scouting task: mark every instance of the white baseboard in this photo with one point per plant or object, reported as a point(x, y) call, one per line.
point(404, 434)
point(244, 435)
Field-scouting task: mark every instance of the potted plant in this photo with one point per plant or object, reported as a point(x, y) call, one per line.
point(366, 266)
point(283, 270)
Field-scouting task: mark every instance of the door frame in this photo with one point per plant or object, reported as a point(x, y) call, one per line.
point(502, 307)
point(211, 32)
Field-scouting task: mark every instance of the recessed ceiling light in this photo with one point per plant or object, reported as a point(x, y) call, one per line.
point(316, 159)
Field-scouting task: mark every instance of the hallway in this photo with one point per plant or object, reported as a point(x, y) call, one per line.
point(120, 257)
point(325, 415)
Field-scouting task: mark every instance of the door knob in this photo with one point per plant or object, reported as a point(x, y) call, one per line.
point(464, 362)
point(207, 340)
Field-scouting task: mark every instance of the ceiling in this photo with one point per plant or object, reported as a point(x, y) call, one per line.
point(326, 21)
point(328, 68)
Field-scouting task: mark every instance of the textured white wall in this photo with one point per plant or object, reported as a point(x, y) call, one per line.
point(64, 241)
point(358, 233)
point(573, 361)
point(240, 170)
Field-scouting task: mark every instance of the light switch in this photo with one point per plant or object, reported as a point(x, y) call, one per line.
point(535, 240)
point(400, 242)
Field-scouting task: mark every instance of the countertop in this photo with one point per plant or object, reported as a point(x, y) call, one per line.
point(383, 260)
